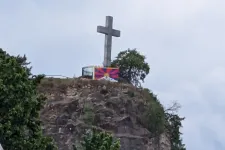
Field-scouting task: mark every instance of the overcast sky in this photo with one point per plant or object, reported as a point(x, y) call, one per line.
point(183, 40)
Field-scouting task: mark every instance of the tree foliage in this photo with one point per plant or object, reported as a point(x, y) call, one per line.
point(132, 66)
point(159, 120)
point(173, 126)
point(153, 116)
point(95, 140)
point(20, 125)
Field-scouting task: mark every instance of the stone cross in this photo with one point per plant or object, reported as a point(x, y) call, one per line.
point(109, 32)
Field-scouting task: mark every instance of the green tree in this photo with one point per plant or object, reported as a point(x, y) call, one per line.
point(20, 125)
point(95, 140)
point(132, 66)
point(159, 120)
point(173, 126)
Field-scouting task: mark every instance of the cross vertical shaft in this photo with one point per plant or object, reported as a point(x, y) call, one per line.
point(109, 32)
point(108, 42)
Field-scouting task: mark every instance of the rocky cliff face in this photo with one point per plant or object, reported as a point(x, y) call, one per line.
point(76, 105)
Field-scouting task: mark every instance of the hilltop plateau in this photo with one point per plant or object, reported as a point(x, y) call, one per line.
point(133, 115)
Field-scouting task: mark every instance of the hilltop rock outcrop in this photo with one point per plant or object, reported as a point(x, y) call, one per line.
point(75, 105)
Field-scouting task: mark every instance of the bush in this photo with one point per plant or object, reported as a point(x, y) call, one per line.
point(153, 118)
point(95, 140)
point(88, 114)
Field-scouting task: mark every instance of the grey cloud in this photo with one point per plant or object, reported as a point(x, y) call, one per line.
point(183, 42)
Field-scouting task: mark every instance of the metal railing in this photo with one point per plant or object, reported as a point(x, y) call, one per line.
point(57, 76)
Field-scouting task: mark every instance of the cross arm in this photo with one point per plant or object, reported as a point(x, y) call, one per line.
point(105, 30)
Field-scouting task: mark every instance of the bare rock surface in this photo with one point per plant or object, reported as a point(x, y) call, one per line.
point(78, 105)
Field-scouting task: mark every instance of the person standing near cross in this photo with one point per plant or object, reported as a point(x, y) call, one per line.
point(109, 32)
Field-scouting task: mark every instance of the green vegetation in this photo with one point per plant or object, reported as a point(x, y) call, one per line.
point(88, 114)
point(132, 65)
point(154, 116)
point(20, 126)
point(173, 125)
point(160, 120)
point(95, 140)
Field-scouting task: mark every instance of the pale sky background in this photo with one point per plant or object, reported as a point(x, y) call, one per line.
point(184, 41)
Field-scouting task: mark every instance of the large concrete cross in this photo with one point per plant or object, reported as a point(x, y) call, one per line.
point(109, 32)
